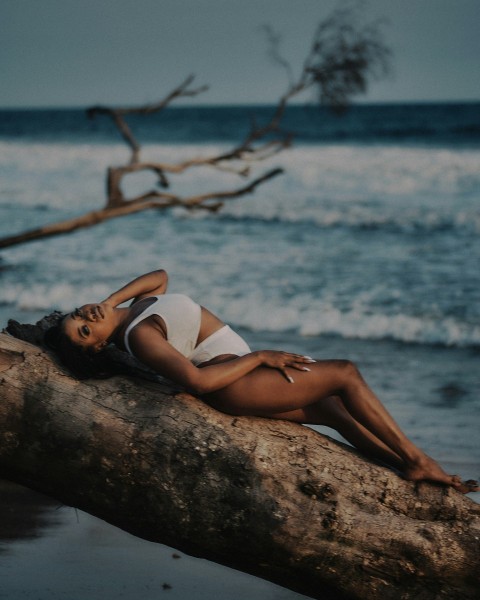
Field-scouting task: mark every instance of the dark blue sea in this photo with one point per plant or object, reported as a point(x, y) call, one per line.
point(367, 247)
point(452, 123)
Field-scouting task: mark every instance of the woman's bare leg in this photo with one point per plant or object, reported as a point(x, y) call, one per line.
point(366, 408)
point(331, 412)
point(265, 392)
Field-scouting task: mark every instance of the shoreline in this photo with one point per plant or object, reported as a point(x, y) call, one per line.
point(71, 554)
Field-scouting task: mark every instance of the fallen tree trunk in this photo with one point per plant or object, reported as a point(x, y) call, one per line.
point(271, 498)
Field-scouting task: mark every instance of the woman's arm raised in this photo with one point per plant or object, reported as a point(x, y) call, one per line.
point(150, 284)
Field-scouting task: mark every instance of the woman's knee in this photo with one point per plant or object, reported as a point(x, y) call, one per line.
point(348, 369)
point(348, 375)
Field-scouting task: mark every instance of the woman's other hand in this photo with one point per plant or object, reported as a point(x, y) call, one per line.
point(279, 360)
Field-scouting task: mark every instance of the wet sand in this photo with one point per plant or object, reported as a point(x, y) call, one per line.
point(54, 552)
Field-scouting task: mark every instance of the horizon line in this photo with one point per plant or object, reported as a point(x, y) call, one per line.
point(202, 105)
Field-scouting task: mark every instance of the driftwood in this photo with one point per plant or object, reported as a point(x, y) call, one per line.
point(344, 56)
point(271, 498)
point(146, 202)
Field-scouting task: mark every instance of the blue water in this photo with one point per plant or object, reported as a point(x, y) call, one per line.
point(372, 232)
point(452, 123)
point(368, 246)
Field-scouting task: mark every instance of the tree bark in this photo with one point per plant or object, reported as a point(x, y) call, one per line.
point(272, 498)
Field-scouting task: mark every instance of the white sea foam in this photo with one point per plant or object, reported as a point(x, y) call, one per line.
point(55, 175)
point(323, 275)
point(405, 328)
point(258, 315)
point(318, 178)
point(318, 320)
point(406, 188)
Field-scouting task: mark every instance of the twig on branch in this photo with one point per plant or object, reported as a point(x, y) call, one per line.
point(344, 57)
point(274, 40)
point(196, 201)
point(118, 114)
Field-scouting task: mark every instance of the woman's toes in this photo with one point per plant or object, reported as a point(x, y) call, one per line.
point(466, 487)
point(472, 484)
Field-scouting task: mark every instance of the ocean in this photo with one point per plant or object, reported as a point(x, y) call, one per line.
point(367, 248)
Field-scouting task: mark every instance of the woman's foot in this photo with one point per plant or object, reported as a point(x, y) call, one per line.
point(426, 469)
point(465, 487)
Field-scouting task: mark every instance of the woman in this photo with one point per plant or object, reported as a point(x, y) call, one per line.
point(186, 343)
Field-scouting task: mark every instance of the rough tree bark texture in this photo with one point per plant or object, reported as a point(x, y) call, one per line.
point(271, 498)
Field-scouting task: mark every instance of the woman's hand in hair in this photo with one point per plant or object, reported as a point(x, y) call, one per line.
point(150, 284)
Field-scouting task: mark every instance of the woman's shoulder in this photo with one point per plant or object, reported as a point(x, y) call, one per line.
point(151, 324)
point(148, 330)
point(139, 313)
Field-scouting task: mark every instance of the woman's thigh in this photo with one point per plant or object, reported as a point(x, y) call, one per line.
point(266, 392)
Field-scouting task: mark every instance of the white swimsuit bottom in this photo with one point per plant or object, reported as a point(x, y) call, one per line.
point(223, 341)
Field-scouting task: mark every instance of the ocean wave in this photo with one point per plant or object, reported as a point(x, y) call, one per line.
point(44, 297)
point(354, 324)
point(295, 256)
point(253, 312)
point(369, 185)
point(403, 328)
point(351, 324)
point(368, 219)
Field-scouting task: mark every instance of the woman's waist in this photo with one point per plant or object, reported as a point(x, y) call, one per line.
point(209, 324)
point(223, 342)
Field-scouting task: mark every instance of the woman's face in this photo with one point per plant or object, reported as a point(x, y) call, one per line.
point(90, 326)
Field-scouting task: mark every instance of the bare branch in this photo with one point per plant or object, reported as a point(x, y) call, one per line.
point(118, 114)
point(194, 201)
point(344, 56)
point(181, 91)
point(151, 200)
point(274, 40)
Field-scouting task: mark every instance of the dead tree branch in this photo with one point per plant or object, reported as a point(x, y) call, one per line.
point(118, 114)
point(149, 201)
point(344, 56)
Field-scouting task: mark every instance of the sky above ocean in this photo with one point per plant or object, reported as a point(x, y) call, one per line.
point(70, 53)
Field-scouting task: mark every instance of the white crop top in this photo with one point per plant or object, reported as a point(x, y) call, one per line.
point(182, 317)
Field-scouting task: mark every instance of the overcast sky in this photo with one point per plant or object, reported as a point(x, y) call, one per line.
point(82, 52)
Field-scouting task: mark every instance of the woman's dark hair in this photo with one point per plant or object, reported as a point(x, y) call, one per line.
point(86, 364)
point(83, 364)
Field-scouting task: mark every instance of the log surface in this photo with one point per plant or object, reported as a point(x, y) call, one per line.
point(271, 498)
